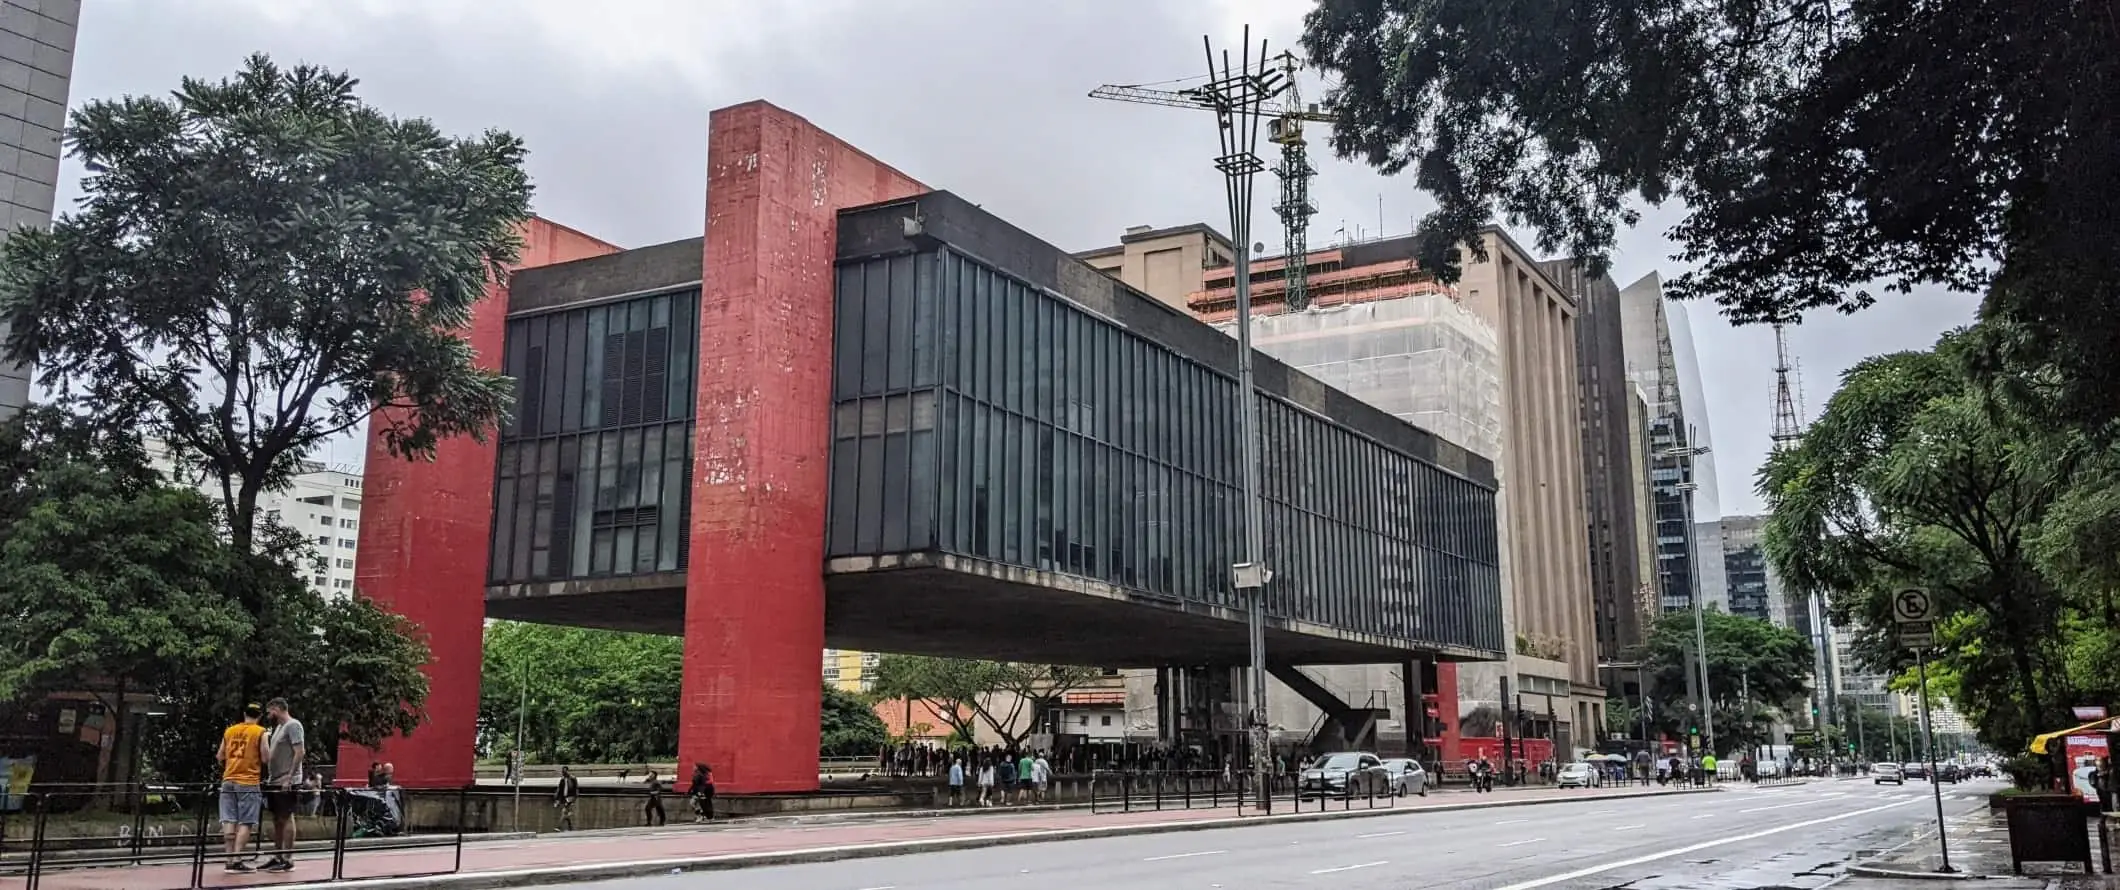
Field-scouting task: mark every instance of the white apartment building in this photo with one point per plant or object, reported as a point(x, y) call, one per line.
point(322, 503)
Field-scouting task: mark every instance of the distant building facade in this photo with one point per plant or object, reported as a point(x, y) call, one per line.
point(36, 66)
point(1752, 588)
point(322, 503)
point(1660, 360)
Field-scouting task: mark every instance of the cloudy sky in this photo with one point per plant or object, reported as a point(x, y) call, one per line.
point(985, 99)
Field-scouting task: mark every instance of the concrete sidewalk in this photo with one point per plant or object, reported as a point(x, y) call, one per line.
point(553, 859)
point(1979, 849)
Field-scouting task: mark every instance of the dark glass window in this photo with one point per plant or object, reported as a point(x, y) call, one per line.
point(1054, 440)
point(596, 458)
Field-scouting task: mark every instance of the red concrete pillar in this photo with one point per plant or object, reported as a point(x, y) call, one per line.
point(754, 590)
point(1446, 706)
point(424, 540)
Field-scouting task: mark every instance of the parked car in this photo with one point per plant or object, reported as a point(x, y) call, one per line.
point(1914, 770)
point(1576, 775)
point(1888, 772)
point(1349, 773)
point(1407, 776)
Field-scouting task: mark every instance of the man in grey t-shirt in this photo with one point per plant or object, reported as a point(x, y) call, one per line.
point(285, 747)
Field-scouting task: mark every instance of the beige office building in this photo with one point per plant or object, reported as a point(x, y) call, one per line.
point(1525, 325)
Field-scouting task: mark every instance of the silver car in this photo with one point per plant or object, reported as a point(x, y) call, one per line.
point(1348, 773)
point(1407, 776)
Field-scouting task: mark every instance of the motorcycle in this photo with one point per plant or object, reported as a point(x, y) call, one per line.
point(1482, 778)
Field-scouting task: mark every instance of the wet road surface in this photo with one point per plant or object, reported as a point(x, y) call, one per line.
point(1799, 837)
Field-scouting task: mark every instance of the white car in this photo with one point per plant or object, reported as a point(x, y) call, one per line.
point(1888, 772)
point(1576, 775)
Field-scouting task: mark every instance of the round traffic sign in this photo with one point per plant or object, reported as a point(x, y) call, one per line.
point(1912, 606)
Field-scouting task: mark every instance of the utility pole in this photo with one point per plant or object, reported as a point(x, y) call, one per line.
point(522, 718)
point(1237, 94)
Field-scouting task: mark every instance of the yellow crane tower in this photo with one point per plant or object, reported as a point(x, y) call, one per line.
point(1295, 172)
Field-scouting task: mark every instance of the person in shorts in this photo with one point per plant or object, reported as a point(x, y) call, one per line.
point(285, 747)
point(242, 759)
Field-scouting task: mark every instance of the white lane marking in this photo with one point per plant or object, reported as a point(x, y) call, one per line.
point(1779, 806)
point(1184, 855)
point(1379, 834)
point(1705, 816)
point(1511, 821)
point(1521, 843)
point(1327, 871)
point(1629, 827)
point(1694, 848)
point(882, 887)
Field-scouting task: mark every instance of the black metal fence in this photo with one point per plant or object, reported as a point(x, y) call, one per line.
point(170, 837)
point(1127, 791)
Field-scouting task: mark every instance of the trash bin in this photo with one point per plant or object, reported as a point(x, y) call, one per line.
point(2047, 828)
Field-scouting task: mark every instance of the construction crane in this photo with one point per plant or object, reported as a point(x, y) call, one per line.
point(1294, 171)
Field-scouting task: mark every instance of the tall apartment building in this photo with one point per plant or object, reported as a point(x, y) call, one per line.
point(1612, 499)
point(36, 65)
point(1382, 329)
point(322, 502)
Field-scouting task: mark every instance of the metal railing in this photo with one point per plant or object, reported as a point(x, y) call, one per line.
point(168, 837)
point(1128, 791)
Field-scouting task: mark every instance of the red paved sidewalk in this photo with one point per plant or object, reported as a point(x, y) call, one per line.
point(721, 839)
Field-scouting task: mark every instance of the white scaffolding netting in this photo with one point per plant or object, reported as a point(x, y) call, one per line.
point(1424, 359)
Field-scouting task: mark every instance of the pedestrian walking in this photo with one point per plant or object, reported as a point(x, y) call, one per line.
point(702, 792)
point(986, 783)
point(653, 813)
point(565, 796)
point(956, 781)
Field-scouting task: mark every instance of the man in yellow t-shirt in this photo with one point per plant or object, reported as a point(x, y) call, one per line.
point(242, 757)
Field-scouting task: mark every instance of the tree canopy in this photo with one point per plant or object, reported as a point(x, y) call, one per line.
point(1006, 696)
point(1926, 470)
point(594, 696)
point(262, 263)
point(1757, 671)
point(116, 582)
point(850, 727)
point(1821, 150)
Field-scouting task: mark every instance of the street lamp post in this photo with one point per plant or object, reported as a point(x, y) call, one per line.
point(1700, 633)
point(1237, 95)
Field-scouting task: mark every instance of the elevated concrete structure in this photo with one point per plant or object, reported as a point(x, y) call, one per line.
point(864, 415)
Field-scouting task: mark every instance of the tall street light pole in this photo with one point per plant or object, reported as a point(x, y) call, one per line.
point(1700, 633)
point(1237, 92)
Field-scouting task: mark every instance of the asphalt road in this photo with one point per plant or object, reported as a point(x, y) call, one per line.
point(1776, 838)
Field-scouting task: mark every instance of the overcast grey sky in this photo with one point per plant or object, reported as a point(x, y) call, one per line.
point(984, 99)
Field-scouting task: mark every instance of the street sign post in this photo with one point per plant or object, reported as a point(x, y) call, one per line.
point(1913, 611)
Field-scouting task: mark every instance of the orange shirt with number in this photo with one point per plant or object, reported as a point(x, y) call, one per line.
point(241, 761)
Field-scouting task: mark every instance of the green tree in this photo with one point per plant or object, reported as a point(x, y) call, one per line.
point(109, 579)
point(1007, 696)
point(260, 264)
point(850, 725)
point(115, 582)
point(594, 696)
point(1918, 475)
point(1822, 150)
point(1757, 670)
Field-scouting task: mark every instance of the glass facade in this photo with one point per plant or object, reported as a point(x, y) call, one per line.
point(595, 463)
point(980, 416)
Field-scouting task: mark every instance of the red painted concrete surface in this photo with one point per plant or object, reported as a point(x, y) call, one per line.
point(678, 842)
point(423, 545)
point(754, 595)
